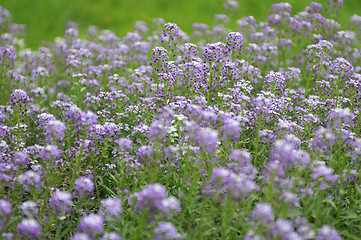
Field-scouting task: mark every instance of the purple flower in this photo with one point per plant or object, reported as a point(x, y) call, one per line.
point(170, 31)
point(263, 213)
point(230, 5)
point(291, 198)
point(61, 201)
point(159, 57)
point(29, 227)
point(84, 187)
point(124, 144)
point(111, 236)
point(215, 52)
point(327, 233)
point(208, 139)
point(8, 236)
point(286, 152)
point(221, 18)
point(157, 130)
point(189, 52)
point(30, 180)
point(240, 163)
point(19, 98)
point(275, 81)
point(21, 158)
point(234, 42)
point(227, 183)
point(5, 210)
point(50, 152)
point(283, 229)
point(110, 207)
point(82, 236)
point(92, 223)
point(154, 198)
point(166, 230)
point(231, 130)
point(54, 130)
point(341, 67)
point(29, 209)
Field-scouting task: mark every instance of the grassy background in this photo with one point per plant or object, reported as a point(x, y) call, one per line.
point(45, 19)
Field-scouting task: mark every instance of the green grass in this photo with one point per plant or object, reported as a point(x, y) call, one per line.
point(45, 19)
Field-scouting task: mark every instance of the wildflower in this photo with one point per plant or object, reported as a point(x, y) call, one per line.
point(166, 230)
point(61, 201)
point(92, 224)
point(29, 227)
point(84, 187)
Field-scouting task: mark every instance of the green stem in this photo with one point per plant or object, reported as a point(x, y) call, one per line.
point(77, 166)
point(210, 83)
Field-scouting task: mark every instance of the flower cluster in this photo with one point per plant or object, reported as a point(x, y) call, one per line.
point(251, 132)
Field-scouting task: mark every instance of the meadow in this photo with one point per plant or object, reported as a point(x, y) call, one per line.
point(234, 128)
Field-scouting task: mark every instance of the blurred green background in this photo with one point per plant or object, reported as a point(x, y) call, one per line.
point(45, 19)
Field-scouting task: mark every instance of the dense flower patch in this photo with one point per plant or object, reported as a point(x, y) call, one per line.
point(246, 130)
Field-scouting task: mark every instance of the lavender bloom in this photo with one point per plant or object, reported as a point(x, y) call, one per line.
point(54, 130)
point(283, 229)
point(84, 187)
point(319, 53)
point(30, 180)
point(166, 230)
point(291, 198)
point(154, 198)
point(303, 228)
point(230, 5)
point(29, 209)
point(29, 227)
point(341, 67)
point(274, 81)
point(231, 130)
point(208, 139)
point(82, 236)
point(170, 31)
point(341, 116)
point(19, 98)
point(5, 210)
point(240, 163)
point(288, 154)
point(5, 17)
point(215, 52)
point(314, 7)
point(293, 75)
point(7, 56)
point(321, 171)
point(21, 158)
point(157, 130)
point(110, 207)
point(92, 224)
point(61, 201)
point(159, 57)
point(251, 235)
point(228, 183)
point(189, 52)
point(234, 42)
point(145, 153)
point(78, 59)
point(327, 233)
point(8, 235)
point(334, 5)
point(50, 152)
point(111, 236)
point(124, 144)
point(263, 213)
